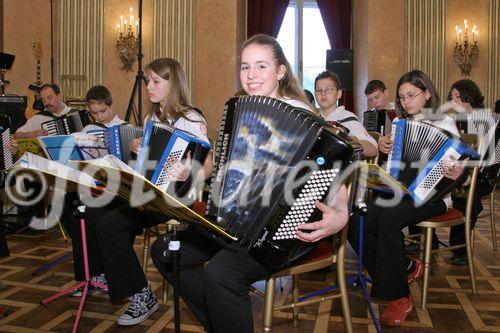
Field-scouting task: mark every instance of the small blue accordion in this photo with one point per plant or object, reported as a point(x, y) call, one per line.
point(419, 152)
point(118, 139)
point(162, 144)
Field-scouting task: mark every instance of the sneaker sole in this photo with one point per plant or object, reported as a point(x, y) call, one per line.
point(135, 321)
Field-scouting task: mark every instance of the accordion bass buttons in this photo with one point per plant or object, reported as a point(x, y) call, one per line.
point(302, 209)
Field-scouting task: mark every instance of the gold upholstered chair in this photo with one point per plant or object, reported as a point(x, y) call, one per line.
point(451, 218)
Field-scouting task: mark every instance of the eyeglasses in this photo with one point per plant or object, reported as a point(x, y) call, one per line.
point(326, 91)
point(409, 97)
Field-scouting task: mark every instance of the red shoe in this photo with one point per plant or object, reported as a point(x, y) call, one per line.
point(397, 311)
point(418, 271)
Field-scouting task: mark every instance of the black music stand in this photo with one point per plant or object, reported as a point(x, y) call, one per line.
point(131, 109)
point(6, 61)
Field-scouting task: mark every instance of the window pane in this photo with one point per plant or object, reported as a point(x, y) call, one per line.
point(287, 36)
point(315, 44)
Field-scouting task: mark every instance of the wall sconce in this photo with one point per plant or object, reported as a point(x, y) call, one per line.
point(127, 42)
point(466, 53)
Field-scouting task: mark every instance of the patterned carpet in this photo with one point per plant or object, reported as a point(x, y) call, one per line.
point(451, 306)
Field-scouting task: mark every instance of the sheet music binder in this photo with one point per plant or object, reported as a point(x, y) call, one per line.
point(378, 179)
point(162, 202)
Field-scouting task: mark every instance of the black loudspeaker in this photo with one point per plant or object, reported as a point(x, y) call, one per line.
point(341, 62)
point(14, 107)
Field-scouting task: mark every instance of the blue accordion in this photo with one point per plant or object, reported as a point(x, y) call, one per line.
point(419, 152)
point(161, 145)
point(118, 139)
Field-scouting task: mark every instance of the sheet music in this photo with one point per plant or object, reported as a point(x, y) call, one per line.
point(37, 163)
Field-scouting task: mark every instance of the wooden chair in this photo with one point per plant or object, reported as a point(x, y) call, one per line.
point(451, 218)
point(492, 216)
point(325, 255)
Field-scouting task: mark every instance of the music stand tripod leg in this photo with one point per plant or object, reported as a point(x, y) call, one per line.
point(174, 248)
point(85, 284)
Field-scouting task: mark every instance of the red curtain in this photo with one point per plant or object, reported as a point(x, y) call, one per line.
point(336, 16)
point(265, 16)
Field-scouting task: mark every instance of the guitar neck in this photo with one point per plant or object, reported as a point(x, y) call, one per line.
point(38, 76)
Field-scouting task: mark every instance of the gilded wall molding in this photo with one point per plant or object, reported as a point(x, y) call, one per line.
point(493, 74)
point(425, 43)
point(173, 33)
point(81, 45)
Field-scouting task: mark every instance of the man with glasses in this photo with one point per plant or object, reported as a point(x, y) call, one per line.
point(328, 91)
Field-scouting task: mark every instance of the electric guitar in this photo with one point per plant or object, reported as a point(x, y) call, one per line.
point(37, 103)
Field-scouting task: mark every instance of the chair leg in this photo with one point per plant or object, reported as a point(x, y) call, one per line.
point(470, 258)
point(492, 219)
point(344, 296)
point(422, 244)
point(295, 296)
point(267, 318)
point(166, 287)
point(472, 240)
point(145, 250)
point(427, 262)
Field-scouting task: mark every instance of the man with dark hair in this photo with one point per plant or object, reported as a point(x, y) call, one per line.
point(379, 108)
point(54, 107)
point(377, 95)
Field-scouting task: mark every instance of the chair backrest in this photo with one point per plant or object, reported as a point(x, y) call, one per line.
point(475, 142)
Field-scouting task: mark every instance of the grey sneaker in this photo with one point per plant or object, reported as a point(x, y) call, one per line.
point(92, 290)
point(141, 306)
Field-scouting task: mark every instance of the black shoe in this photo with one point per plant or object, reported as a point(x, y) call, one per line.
point(459, 260)
point(141, 306)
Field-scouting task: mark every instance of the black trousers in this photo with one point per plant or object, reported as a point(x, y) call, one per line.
point(4, 248)
point(457, 233)
point(110, 233)
point(384, 254)
point(215, 280)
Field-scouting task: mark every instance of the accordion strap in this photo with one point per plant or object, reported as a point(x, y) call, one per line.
point(348, 119)
point(47, 114)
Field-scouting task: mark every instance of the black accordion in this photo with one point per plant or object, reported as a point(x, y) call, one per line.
point(264, 146)
point(73, 121)
point(419, 152)
point(162, 144)
point(378, 120)
point(118, 139)
point(485, 124)
point(6, 159)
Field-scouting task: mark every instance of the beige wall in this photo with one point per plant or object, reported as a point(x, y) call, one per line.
point(379, 42)
point(378, 39)
point(220, 29)
point(219, 32)
point(22, 26)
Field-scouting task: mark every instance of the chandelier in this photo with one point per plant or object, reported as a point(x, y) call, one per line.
point(466, 52)
point(127, 42)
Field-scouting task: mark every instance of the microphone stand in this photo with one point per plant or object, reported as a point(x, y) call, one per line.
point(131, 110)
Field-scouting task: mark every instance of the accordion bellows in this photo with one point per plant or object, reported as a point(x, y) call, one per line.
point(273, 161)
